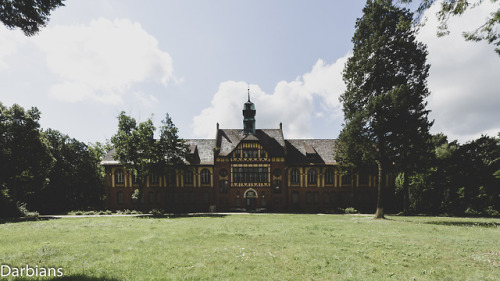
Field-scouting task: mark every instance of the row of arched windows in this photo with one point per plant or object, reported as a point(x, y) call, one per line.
point(205, 175)
point(312, 176)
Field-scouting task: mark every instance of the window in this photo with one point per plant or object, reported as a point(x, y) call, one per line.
point(154, 179)
point(346, 179)
point(250, 153)
point(276, 186)
point(205, 176)
point(205, 197)
point(295, 176)
point(329, 176)
point(151, 197)
point(223, 186)
point(158, 197)
point(188, 177)
point(119, 197)
point(309, 197)
point(237, 153)
point(119, 176)
point(135, 179)
point(170, 177)
point(312, 176)
point(326, 198)
point(263, 154)
point(295, 197)
point(250, 175)
point(316, 197)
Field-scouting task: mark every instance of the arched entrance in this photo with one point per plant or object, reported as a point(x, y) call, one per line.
point(250, 196)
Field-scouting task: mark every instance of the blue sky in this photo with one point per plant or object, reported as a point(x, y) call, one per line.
point(196, 59)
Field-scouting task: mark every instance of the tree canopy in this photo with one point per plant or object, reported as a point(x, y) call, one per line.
point(29, 15)
point(138, 150)
point(45, 171)
point(489, 31)
point(384, 109)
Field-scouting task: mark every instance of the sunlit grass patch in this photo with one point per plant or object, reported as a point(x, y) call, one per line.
point(258, 247)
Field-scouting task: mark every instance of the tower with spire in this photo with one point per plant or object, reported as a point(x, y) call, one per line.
point(249, 117)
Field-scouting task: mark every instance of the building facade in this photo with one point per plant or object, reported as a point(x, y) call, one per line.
point(247, 169)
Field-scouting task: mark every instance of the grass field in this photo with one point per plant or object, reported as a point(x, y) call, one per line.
point(257, 247)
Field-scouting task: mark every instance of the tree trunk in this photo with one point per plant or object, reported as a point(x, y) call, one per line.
point(379, 214)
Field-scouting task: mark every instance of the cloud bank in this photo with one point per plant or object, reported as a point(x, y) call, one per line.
point(292, 103)
point(99, 61)
point(463, 78)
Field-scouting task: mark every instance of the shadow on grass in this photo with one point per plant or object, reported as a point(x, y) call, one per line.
point(183, 215)
point(466, 223)
point(25, 219)
point(71, 277)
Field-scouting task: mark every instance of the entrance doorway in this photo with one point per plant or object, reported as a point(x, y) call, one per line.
point(250, 200)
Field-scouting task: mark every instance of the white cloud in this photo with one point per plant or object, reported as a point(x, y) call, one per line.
point(291, 103)
point(10, 41)
point(101, 61)
point(463, 77)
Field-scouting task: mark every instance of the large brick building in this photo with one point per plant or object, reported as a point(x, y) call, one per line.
point(247, 169)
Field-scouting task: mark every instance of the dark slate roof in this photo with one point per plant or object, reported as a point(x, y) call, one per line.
point(271, 140)
point(202, 150)
point(318, 151)
point(108, 158)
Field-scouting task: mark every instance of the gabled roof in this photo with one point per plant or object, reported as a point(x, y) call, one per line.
point(201, 150)
point(303, 151)
point(270, 139)
point(204, 148)
point(108, 159)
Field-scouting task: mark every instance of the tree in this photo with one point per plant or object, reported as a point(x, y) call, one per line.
point(76, 181)
point(29, 15)
point(385, 87)
point(138, 151)
point(25, 159)
point(489, 30)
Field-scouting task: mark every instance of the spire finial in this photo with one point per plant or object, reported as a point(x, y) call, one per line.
point(248, 92)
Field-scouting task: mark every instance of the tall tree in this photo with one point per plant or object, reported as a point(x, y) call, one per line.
point(385, 87)
point(488, 31)
point(75, 181)
point(138, 151)
point(25, 159)
point(29, 15)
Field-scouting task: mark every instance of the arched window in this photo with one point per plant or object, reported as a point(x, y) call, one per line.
point(154, 179)
point(295, 176)
point(135, 179)
point(205, 176)
point(223, 186)
point(329, 176)
point(312, 176)
point(170, 177)
point(188, 177)
point(119, 176)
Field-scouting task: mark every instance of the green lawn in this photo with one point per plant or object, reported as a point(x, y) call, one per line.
point(257, 247)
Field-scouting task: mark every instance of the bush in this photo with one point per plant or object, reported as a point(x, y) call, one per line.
point(24, 212)
point(492, 212)
point(157, 213)
point(472, 213)
point(350, 210)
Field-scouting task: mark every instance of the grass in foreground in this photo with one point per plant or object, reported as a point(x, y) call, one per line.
point(257, 247)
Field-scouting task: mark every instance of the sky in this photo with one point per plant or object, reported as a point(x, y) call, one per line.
point(196, 61)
